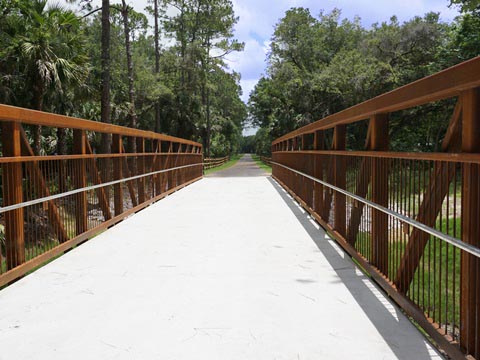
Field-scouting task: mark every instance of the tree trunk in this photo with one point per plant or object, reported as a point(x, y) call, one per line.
point(62, 150)
point(158, 126)
point(61, 141)
point(209, 125)
point(105, 85)
point(207, 99)
point(131, 85)
point(38, 91)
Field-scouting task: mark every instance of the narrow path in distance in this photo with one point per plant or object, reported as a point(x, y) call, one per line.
point(245, 167)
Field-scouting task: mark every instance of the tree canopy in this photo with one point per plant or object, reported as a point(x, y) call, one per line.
point(52, 59)
point(320, 65)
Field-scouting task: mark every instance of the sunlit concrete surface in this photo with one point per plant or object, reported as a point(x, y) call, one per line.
point(227, 268)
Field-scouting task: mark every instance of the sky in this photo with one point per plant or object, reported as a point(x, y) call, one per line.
point(257, 19)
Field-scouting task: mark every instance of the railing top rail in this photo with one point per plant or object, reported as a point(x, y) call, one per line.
point(34, 117)
point(444, 84)
point(422, 156)
point(472, 249)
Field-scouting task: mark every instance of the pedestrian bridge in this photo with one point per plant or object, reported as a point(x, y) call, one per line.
point(231, 267)
point(330, 257)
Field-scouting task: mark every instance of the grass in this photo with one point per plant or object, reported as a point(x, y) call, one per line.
point(261, 164)
point(233, 160)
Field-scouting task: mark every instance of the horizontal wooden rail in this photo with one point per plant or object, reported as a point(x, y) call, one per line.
point(410, 219)
point(266, 160)
point(33, 117)
point(51, 203)
point(209, 163)
point(445, 84)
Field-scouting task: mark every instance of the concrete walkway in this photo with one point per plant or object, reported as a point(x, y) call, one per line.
point(227, 268)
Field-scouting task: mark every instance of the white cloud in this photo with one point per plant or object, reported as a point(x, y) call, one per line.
point(247, 87)
point(250, 62)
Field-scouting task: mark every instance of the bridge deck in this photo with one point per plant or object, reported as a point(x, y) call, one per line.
point(228, 268)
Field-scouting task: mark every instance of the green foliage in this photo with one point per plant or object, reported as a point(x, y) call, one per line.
point(467, 5)
point(321, 65)
point(42, 46)
point(50, 59)
point(206, 97)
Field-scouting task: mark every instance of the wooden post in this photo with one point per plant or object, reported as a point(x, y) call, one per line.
point(170, 164)
point(80, 179)
point(141, 169)
point(470, 265)
point(34, 173)
point(339, 142)
point(318, 144)
point(156, 166)
point(102, 193)
point(117, 147)
point(379, 142)
point(127, 174)
point(12, 194)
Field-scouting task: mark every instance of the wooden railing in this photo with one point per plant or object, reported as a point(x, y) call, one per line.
point(209, 163)
point(266, 160)
point(412, 220)
point(51, 203)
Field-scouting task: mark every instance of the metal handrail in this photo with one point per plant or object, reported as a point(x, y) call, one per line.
point(87, 188)
point(447, 238)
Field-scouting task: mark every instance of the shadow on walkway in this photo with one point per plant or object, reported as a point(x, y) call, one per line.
point(398, 332)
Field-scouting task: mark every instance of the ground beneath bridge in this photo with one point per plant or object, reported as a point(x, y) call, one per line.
point(227, 268)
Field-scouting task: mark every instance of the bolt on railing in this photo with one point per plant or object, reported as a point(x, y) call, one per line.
point(412, 220)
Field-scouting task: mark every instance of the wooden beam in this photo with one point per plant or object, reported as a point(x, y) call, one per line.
point(168, 164)
point(442, 85)
point(34, 117)
point(379, 180)
point(117, 148)
point(13, 194)
point(318, 144)
point(141, 170)
point(35, 174)
point(470, 265)
point(438, 188)
point(127, 174)
point(97, 180)
point(157, 149)
point(328, 167)
point(80, 181)
point(340, 179)
point(454, 128)
point(361, 189)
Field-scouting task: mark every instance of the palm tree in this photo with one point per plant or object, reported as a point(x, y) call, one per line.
point(52, 53)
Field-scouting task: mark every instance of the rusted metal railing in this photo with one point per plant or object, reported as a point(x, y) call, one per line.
point(412, 220)
point(51, 203)
point(209, 163)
